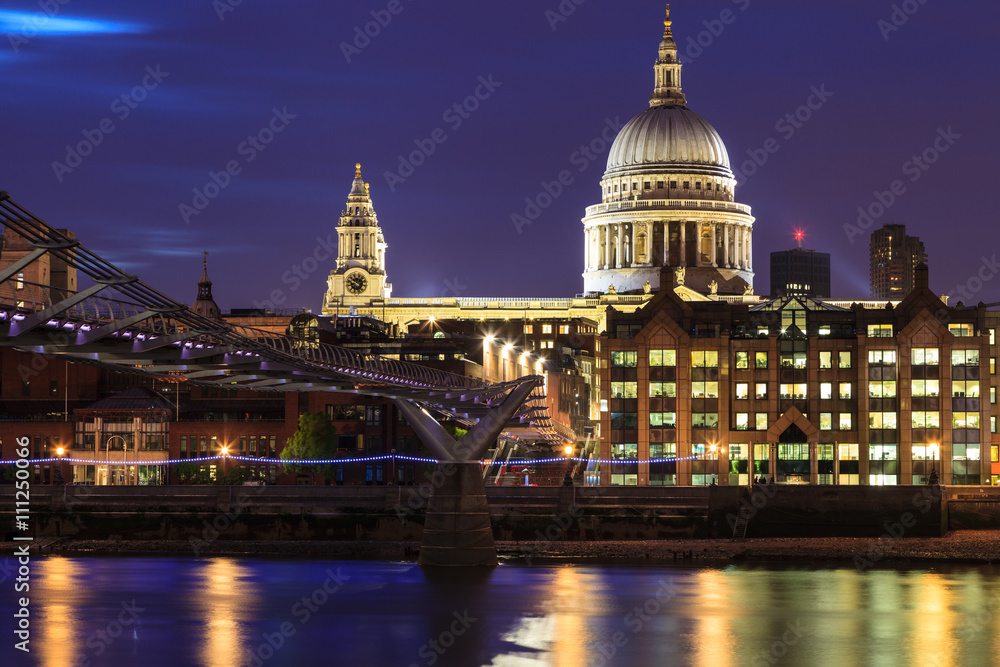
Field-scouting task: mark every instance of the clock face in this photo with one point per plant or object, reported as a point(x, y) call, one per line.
point(356, 283)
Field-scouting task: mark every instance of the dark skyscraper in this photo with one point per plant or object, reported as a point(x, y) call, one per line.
point(894, 256)
point(800, 271)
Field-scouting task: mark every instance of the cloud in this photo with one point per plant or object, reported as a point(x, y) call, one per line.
point(27, 24)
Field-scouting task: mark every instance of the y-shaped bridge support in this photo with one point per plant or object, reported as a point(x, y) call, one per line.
point(457, 527)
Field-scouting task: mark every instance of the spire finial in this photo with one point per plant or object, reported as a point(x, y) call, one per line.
point(667, 24)
point(357, 170)
point(204, 261)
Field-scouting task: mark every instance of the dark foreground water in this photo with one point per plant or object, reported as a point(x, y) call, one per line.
point(247, 611)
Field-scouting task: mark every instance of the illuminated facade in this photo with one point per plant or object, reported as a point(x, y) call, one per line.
point(894, 257)
point(800, 390)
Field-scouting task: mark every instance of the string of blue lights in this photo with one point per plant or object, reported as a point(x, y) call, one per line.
point(367, 459)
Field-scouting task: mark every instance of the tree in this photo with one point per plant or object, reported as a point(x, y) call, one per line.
point(315, 439)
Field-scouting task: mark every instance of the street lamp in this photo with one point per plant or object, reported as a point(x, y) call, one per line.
point(225, 455)
point(933, 479)
point(59, 476)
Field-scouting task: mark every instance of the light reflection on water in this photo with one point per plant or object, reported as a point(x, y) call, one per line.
point(239, 611)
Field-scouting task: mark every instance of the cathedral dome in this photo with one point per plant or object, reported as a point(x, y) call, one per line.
point(663, 136)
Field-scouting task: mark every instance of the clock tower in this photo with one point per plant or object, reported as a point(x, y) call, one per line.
point(359, 277)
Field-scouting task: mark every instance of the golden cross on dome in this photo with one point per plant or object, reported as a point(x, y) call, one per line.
point(667, 24)
point(357, 170)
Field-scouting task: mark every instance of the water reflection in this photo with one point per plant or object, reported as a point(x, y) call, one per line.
point(59, 633)
point(226, 598)
point(217, 611)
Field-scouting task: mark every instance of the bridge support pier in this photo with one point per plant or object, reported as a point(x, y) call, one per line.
point(457, 527)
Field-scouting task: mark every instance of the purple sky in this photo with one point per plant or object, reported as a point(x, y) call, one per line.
point(449, 225)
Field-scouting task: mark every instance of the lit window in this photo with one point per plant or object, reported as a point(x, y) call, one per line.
point(761, 390)
point(960, 330)
point(845, 421)
point(704, 390)
point(926, 388)
point(624, 359)
point(965, 357)
point(546, 328)
point(845, 390)
point(742, 421)
point(742, 391)
point(529, 329)
point(663, 419)
point(826, 359)
point(844, 359)
point(742, 360)
point(965, 420)
point(880, 331)
point(825, 390)
point(760, 359)
point(624, 389)
point(662, 389)
point(707, 359)
point(564, 328)
point(662, 357)
point(926, 419)
point(761, 421)
point(881, 357)
point(965, 389)
point(826, 421)
point(795, 392)
point(882, 420)
point(925, 356)
point(886, 389)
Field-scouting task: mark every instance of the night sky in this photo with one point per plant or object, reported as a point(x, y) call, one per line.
point(206, 84)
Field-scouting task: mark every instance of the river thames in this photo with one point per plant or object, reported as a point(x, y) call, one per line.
point(227, 611)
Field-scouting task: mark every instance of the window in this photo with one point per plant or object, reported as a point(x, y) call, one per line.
point(663, 419)
point(373, 415)
point(673, 184)
point(707, 359)
point(742, 421)
point(880, 331)
point(993, 336)
point(760, 391)
point(546, 328)
point(624, 420)
point(965, 452)
point(760, 359)
point(826, 421)
point(825, 390)
point(624, 359)
point(845, 390)
point(885, 389)
point(742, 391)
point(993, 395)
point(965, 389)
point(663, 357)
point(705, 420)
point(995, 453)
point(926, 388)
point(848, 464)
point(742, 360)
point(961, 330)
point(965, 357)
point(795, 392)
point(529, 328)
point(845, 421)
point(844, 359)
point(925, 356)
point(624, 389)
point(564, 328)
point(993, 366)
point(881, 357)
point(687, 185)
point(704, 390)
point(965, 420)
point(826, 359)
point(926, 420)
point(882, 420)
point(662, 389)
point(625, 451)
